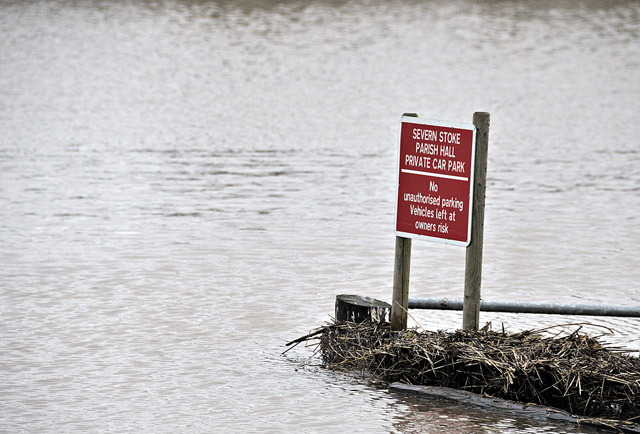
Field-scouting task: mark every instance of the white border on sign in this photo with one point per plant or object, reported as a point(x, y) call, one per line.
point(446, 124)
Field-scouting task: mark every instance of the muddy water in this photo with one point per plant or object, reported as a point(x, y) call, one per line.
point(185, 186)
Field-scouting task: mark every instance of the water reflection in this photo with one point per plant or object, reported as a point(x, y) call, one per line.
point(432, 415)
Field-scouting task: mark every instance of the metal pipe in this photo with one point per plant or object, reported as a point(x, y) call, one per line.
point(514, 307)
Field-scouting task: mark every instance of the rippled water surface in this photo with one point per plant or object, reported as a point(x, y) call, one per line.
point(185, 186)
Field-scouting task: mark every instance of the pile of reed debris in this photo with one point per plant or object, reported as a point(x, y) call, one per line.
point(574, 372)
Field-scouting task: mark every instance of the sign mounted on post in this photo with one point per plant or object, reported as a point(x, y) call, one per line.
point(435, 180)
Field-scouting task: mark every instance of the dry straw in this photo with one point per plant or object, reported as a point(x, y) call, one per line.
point(575, 372)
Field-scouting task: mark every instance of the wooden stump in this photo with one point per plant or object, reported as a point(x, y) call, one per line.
point(356, 308)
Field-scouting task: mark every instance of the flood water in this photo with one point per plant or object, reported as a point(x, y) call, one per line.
point(185, 186)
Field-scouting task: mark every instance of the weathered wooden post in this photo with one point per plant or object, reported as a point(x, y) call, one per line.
point(401, 271)
point(473, 264)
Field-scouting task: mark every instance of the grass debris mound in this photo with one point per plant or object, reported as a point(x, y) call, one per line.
point(575, 373)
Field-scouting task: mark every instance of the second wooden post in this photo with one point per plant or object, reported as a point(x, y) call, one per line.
point(473, 263)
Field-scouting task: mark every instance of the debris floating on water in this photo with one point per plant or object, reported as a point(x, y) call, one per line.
point(575, 373)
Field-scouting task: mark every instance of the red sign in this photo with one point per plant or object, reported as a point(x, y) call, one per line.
point(435, 180)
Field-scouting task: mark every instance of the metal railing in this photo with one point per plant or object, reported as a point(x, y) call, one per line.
point(515, 307)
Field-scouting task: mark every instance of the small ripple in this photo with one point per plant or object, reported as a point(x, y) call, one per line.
point(184, 214)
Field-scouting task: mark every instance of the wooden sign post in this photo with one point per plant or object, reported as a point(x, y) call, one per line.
point(401, 271)
point(440, 198)
point(473, 263)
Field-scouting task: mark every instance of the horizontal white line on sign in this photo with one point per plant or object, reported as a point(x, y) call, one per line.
point(436, 175)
